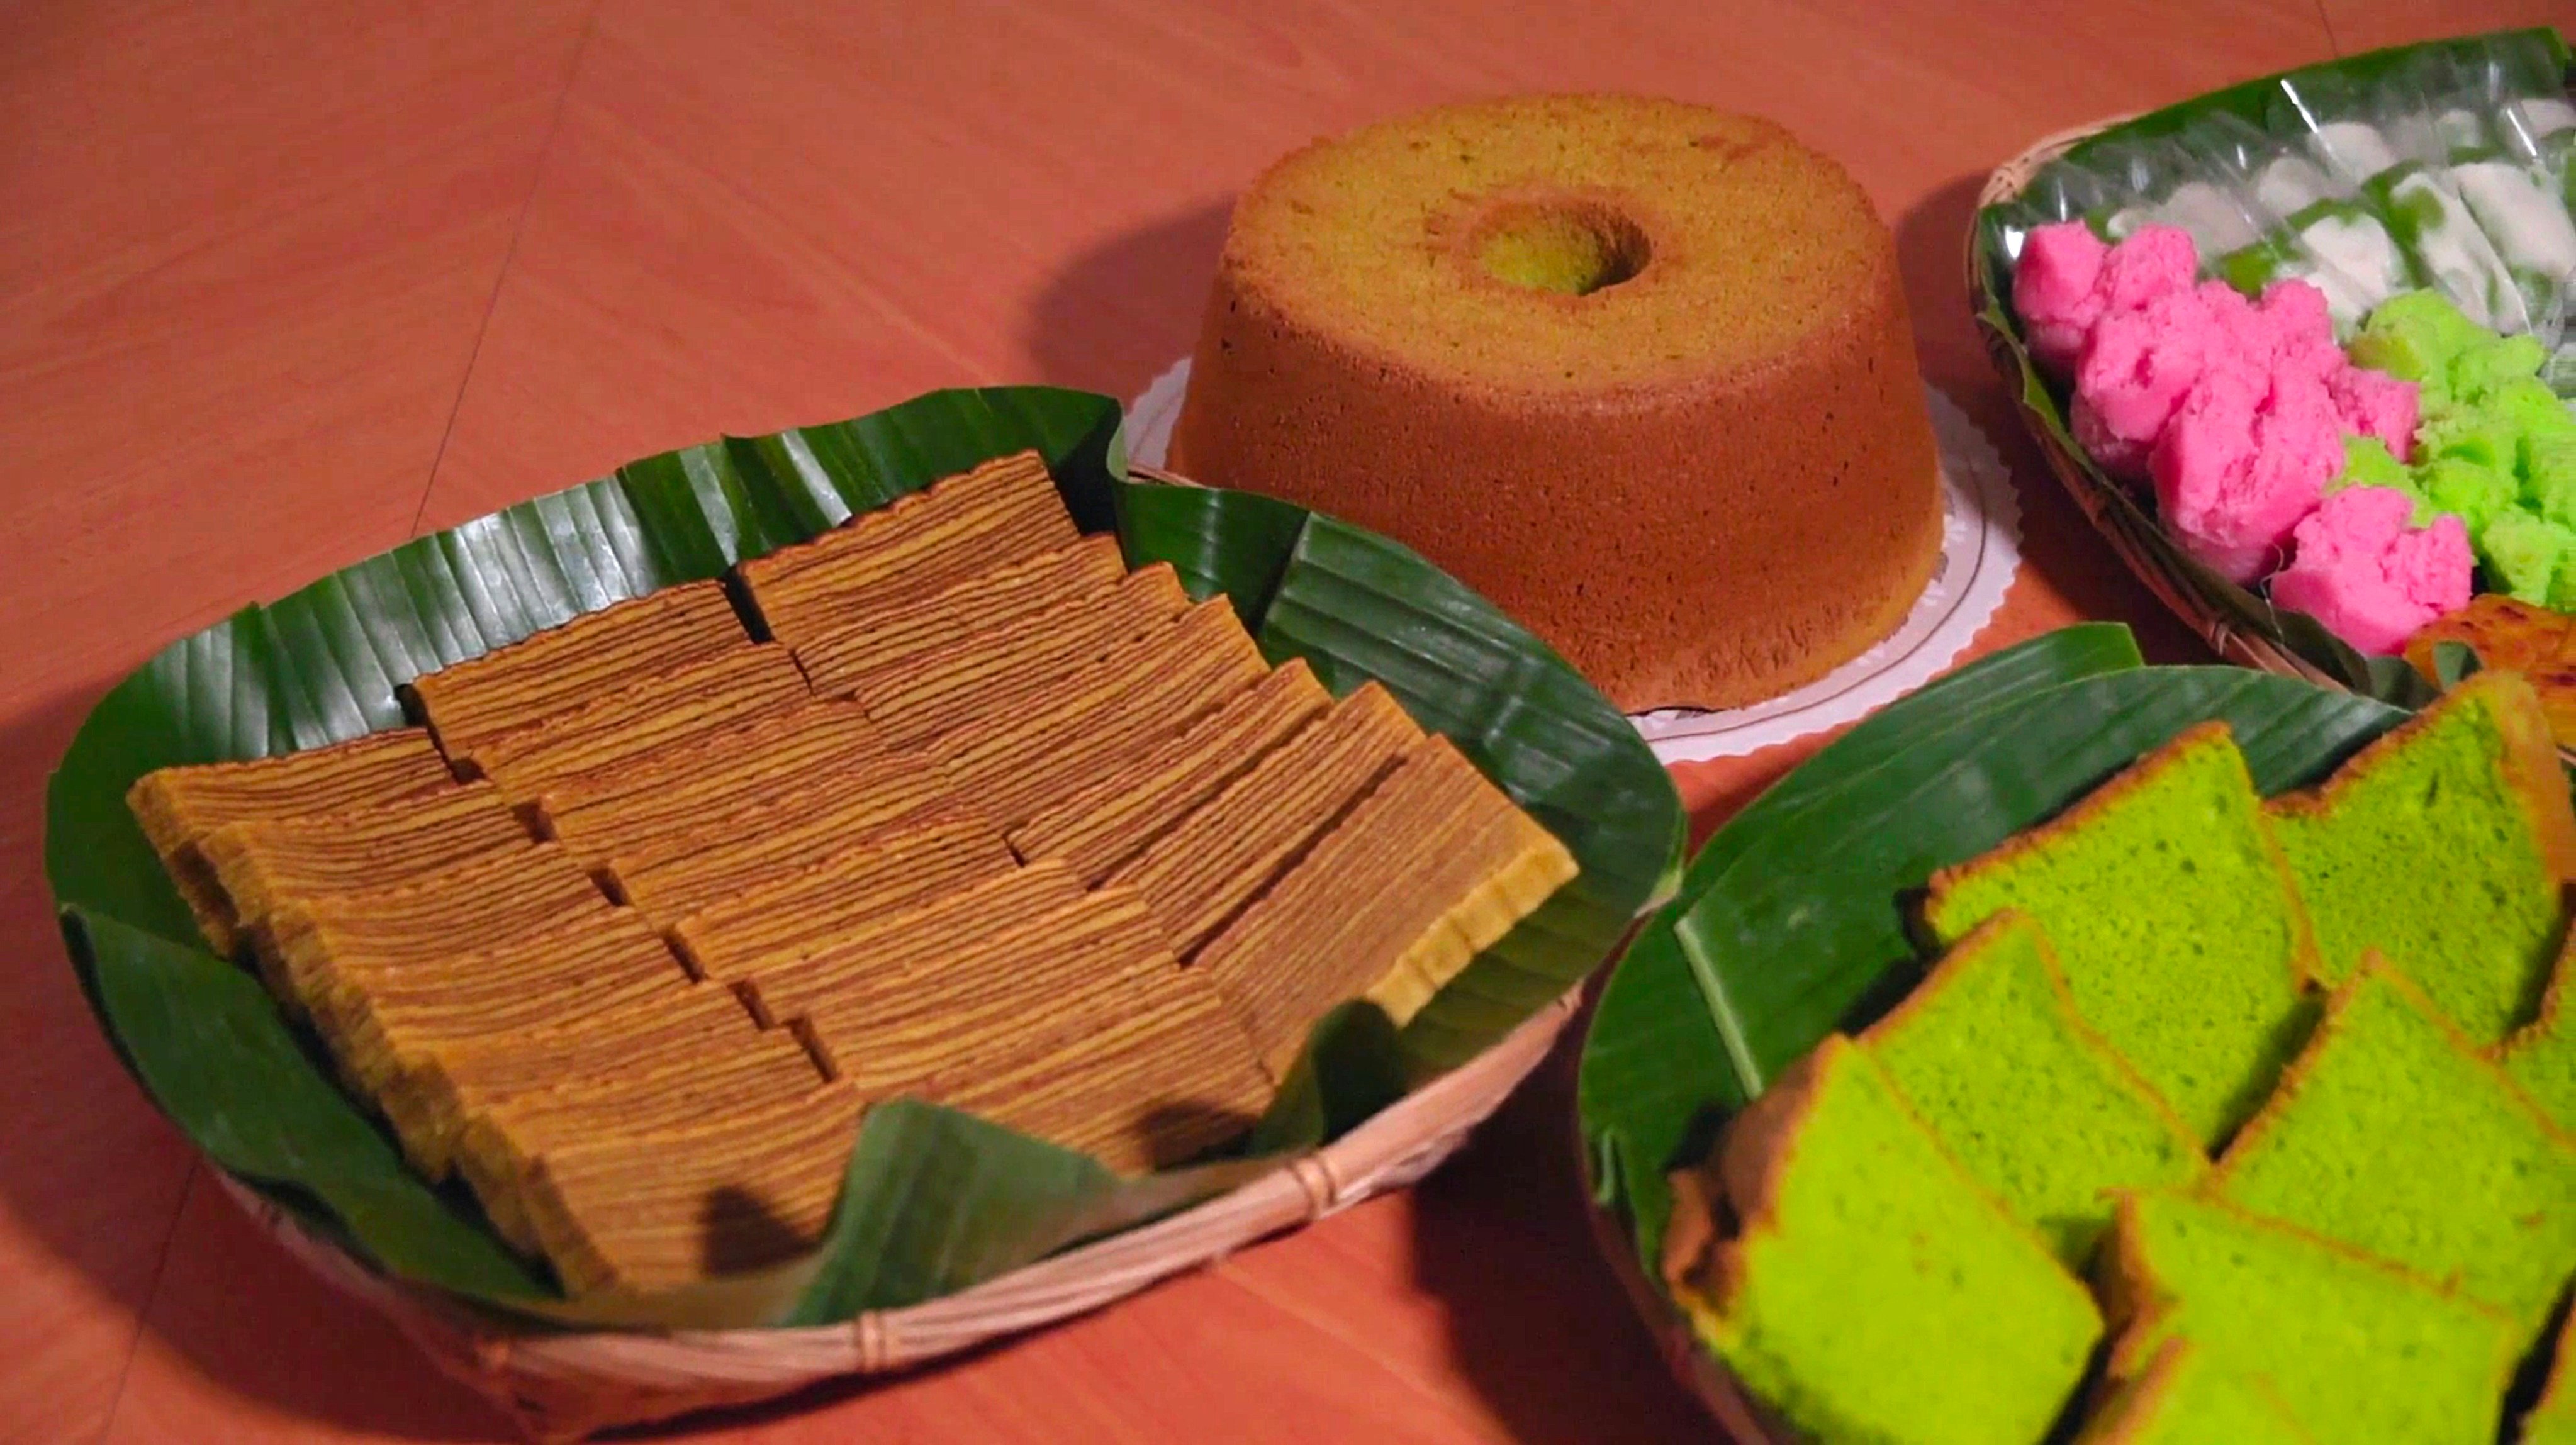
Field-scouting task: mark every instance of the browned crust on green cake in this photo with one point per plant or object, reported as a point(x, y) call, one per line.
point(2530, 764)
point(2374, 969)
point(1925, 994)
point(2137, 777)
point(2135, 1402)
point(2133, 1301)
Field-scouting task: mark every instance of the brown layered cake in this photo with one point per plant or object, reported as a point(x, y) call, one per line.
point(631, 936)
point(1638, 371)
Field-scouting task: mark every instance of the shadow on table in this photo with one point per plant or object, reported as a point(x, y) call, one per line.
point(2058, 544)
point(90, 1175)
point(1537, 1322)
point(1117, 315)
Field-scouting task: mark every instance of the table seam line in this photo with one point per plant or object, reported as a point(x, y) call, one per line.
point(501, 274)
point(151, 1296)
point(1332, 1329)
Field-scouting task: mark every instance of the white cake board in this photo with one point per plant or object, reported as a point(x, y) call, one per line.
point(1980, 554)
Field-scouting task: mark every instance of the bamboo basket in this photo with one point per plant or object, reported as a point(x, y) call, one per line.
point(562, 1386)
point(2118, 524)
point(559, 1385)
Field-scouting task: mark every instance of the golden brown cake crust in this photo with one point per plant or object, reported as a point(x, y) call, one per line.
point(1704, 484)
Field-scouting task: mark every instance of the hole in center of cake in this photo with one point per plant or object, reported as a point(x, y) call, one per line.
point(1572, 248)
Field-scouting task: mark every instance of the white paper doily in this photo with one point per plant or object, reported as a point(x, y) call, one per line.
point(1980, 553)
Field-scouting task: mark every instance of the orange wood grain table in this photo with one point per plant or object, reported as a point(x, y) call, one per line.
point(281, 285)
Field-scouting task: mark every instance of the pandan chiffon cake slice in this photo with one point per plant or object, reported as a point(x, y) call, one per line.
point(2192, 1395)
point(2354, 1348)
point(1990, 1054)
point(2390, 1134)
point(2173, 919)
point(2447, 846)
point(1874, 1292)
point(2541, 1058)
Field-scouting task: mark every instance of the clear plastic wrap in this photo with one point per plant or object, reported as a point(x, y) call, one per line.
point(2450, 166)
point(2309, 223)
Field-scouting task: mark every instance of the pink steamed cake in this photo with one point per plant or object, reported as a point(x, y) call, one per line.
point(2136, 368)
point(2153, 261)
point(2375, 404)
point(2236, 410)
point(2243, 462)
point(2056, 288)
point(2372, 579)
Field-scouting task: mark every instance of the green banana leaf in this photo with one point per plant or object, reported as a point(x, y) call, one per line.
point(1788, 926)
point(934, 1200)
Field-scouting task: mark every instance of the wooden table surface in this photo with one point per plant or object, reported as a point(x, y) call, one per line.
point(282, 285)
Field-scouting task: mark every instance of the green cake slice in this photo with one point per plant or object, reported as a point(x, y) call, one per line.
point(2553, 1420)
point(1875, 1292)
point(1990, 1054)
point(2447, 846)
point(2391, 1135)
point(2190, 1396)
point(2542, 1057)
point(2355, 1349)
point(2173, 920)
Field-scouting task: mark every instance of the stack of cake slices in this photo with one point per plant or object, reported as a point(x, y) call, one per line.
point(654, 905)
point(2292, 1081)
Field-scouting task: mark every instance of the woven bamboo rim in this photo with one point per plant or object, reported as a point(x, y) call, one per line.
point(563, 1386)
point(2119, 525)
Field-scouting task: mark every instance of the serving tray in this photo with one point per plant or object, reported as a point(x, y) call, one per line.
point(950, 1231)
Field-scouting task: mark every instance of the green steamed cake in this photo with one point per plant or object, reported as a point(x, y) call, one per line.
point(1989, 1052)
point(2173, 919)
point(1875, 1292)
point(2529, 404)
point(2477, 436)
point(2367, 462)
point(2414, 336)
point(2390, 1134)
point(2549, 475)
point(2356, 1349)
point(2476, 495)
point(2522, 551)
point(2478, 373)
point(2463, 898)
point(2548, 464)
point(2562, 585)
point(2190, 1396)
